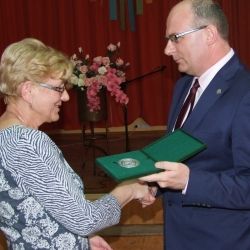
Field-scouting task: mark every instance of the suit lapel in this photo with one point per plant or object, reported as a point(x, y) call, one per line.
point(215, 90)
point(180, 97)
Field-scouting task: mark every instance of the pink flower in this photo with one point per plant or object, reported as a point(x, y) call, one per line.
point(98, 60)
point(105, 61)
point(84, 69)
point(94, 66)
point(119, 62)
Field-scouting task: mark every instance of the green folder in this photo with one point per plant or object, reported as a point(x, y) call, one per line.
point(176, 147)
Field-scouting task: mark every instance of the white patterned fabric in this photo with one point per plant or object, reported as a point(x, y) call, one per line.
point(42, 204)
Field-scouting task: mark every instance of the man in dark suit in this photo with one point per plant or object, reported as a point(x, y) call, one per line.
point(207, 199)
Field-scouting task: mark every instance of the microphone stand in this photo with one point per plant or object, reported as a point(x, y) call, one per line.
point(125, 108)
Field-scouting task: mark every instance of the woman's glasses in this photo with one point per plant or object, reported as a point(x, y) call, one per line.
point(48, 86)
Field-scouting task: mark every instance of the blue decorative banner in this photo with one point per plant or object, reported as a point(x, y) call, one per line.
point(112, 10)
point(122, 14)
point(120, 11)
point(131, 14)
point(139, 7)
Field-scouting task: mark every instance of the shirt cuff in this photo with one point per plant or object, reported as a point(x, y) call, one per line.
point(185, 189)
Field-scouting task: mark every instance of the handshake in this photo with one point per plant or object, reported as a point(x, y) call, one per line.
point(135, 190)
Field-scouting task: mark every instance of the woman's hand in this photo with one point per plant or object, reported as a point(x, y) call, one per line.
point(149, 199)
point(133, 189)
point(98, 243)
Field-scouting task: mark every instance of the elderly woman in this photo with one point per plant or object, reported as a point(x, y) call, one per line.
point(42, 205)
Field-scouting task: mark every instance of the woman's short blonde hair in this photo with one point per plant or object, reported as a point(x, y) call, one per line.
point(31, 60)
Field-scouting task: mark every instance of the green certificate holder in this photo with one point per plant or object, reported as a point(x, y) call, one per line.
point(175, 147)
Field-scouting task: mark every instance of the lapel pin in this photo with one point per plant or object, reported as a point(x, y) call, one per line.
point(218, 91)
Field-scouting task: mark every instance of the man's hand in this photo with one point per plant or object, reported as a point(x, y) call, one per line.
point(175, 176)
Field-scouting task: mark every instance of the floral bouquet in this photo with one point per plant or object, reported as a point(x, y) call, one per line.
point(107, 71)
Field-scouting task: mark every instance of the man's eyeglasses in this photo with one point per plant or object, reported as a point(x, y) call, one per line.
point(47, 86)
point(175, 37)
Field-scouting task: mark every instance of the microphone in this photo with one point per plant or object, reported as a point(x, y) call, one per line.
point(159, 68)
point(155, 70)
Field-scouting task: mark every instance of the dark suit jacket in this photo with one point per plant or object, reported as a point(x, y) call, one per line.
point(215, 211)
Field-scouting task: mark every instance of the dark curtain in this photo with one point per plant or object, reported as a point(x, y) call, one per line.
point(69, 24)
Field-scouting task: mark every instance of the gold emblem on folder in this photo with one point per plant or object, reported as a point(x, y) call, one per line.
point(128, 163)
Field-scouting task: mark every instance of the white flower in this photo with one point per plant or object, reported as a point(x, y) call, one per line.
point(102, 70)
point(74, 80)
point(78, 81)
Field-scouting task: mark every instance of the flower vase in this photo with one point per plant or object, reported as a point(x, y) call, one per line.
point(85, 115)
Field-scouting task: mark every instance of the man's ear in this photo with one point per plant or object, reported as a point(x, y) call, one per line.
point(212, 34)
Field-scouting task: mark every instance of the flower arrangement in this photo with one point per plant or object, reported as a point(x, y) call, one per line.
point(92, 75)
